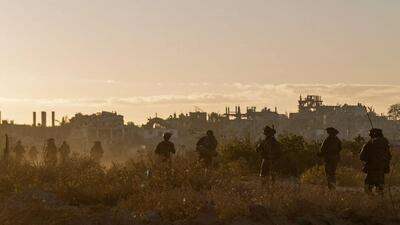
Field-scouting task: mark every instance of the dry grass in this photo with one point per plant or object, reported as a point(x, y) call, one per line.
point(178, 190)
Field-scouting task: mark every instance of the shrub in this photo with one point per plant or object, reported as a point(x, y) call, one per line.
point(240, 153)
point(298, 155)
point(355, 145)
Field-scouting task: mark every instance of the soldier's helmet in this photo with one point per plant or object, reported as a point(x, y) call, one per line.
point(379, 133)
point(371, 132)
point(210, 133)
point(50, 140)
point(332, 131)
point(19, 142)
point(167, 135)
point(269, 130)
point(376, 132)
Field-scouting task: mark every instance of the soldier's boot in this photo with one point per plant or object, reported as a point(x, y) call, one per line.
point(331, 186)
point(368, 189)
point(331, 179)
point(380, 188)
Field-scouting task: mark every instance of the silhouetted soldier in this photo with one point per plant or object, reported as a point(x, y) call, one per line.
point(33, 153)
point(330, 151)
point(19, 151)
point(207, 148)
point(6, 155)
point(376, 156)
point(65, 151)
point(50, 152)
point(270, 152)
point(97, 152)
point(165, 148)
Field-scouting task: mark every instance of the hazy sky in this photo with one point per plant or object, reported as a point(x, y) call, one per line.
point(165, 56)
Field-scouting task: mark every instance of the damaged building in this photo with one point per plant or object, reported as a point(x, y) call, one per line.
point(310, 121)
point(351, 120)
point(105, 126)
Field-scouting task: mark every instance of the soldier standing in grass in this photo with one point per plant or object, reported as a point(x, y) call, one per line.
point(206, 147)
point(33, 153)
point(270, 151)
point(65, 151)
point(376, 157)
point(97, 152)
point(165, 148)
point(330, 151)
point(19, 151)
point(50, 152)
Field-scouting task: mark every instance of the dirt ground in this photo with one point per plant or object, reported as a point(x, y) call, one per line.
point(41, 208)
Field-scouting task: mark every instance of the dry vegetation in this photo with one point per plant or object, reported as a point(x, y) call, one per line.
point(147, 191)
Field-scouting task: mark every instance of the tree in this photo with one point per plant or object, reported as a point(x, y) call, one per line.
point(394, 111)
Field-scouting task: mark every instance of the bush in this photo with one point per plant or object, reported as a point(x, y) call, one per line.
point(298, 155)
point(240, 153)
point(355, 145)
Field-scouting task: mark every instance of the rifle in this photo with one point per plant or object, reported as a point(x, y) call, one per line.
point(368, 110)
point(370, 121)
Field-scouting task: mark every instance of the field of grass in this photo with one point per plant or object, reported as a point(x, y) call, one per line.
point(145, 190)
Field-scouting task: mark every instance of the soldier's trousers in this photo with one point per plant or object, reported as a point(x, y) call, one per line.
point(51, 160)
point(19, 158)
point(266, 169)
point(375, 178)
point(330, 170)
point(207, 160)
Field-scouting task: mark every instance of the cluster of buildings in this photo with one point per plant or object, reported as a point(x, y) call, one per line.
point(109, 127)
point(81, 131)
point(310, 121)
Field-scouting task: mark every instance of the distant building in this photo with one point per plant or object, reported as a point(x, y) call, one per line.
point(107, 127)
point(351, 120)
point(310, 121)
